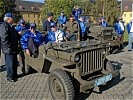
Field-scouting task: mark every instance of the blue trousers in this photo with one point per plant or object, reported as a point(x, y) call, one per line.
point(130, 41)
point(11, 65)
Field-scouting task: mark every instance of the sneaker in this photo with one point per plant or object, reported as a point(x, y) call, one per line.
point(10, 80)
point(129, 50)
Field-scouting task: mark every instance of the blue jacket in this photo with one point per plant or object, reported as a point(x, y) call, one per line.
point(82, 27)
point(62, 19)
point(104, 24)
point(129, 25)
point(20, 28)
point(76, 13)
point(118, 28)
point(50, 36)
point(38, 39)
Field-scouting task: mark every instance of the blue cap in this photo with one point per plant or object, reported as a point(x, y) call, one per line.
point(52, 24)
point(9, 15)
point(32, 25)
point(21, 21)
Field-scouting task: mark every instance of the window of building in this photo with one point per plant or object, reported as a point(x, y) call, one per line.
point(33, 8)
point(34, 15)
point(21, 7)
point(34, 21)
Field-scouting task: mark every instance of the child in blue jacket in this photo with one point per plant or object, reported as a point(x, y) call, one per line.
point(31, 40)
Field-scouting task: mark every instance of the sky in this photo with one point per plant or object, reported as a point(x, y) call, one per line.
point(42, 1)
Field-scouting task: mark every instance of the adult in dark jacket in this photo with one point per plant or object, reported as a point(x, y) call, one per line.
point(9, 41)
point(71, 28)
point(46, 23)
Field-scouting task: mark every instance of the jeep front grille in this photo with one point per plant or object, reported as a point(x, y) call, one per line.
point(91, 61)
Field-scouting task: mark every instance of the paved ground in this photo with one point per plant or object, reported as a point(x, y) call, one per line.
point(35, 87)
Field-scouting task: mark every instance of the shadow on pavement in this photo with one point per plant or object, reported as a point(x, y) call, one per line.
point(83, 96)
point(31, 71)
point(116, 80)
point(2, 68)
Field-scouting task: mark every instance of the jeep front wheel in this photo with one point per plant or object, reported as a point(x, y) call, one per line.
point(60, 85)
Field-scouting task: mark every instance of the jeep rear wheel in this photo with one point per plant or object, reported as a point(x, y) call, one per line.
point(60, 85)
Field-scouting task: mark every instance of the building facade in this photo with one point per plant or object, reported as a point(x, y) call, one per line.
point(127, 10)
point(30, 11)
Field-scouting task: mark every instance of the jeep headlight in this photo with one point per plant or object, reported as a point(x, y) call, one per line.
point(77, 58)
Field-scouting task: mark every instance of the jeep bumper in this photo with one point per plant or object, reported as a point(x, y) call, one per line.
point(85, 85)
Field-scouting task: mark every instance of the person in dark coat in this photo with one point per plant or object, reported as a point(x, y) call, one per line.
point(72, 28)
point(46, 23)
point(9, 40)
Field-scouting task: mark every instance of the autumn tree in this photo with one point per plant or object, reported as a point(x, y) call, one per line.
point(8, 6)
point(1, 10)
point(95, 8)
point(110, 9)
point(56, 6)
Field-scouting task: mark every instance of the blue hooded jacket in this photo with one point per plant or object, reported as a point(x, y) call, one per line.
point(82, 27)
point(76, 13)
point(62, 19)
point(129, 27)
point(104, 24)
point(21, 28)
point(118, 29)
point(50, 36)
point(37, 38)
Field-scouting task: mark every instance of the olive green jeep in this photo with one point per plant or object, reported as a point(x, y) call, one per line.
point(105, 34)
point(73, 65)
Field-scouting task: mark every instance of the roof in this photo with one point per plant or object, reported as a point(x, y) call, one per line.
point(127, 5)
point(27, 6)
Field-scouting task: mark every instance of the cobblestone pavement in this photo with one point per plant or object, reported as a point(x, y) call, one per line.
point(35, 86)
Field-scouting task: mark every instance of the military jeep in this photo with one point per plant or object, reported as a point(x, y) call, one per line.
point(73, 66)
point(106, 34)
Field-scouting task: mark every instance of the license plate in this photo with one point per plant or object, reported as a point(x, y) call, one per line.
point(103, 80)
